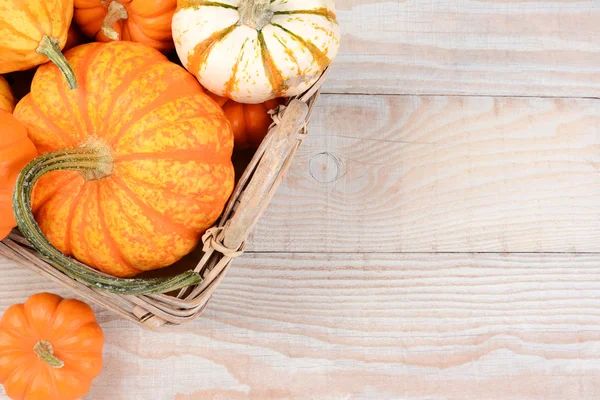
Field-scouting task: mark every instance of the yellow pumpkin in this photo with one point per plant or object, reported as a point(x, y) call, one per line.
point(33, 33)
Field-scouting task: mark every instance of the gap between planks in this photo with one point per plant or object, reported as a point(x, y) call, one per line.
point(430, 252)
point(474, 95)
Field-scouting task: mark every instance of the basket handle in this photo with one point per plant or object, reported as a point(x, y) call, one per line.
point(267, 176)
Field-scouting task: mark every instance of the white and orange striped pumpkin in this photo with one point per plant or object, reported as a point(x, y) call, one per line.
point(255, 50)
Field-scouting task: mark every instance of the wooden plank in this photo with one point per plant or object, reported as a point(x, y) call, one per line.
point(377, 326)
point(441, 174)
point(492, 47)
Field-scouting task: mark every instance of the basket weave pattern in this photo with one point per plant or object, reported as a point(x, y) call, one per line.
point(221, 244)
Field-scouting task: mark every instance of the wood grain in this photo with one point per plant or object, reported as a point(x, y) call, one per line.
point(441, 174)
point(491, 47)
point(382, 268)
point(389, 326)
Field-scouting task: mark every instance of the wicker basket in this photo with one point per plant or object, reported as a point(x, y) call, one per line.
point(221, 244)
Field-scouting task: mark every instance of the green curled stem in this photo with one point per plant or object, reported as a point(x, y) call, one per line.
point(93, 164)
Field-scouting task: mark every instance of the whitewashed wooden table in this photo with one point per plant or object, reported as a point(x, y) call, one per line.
point(438, 236)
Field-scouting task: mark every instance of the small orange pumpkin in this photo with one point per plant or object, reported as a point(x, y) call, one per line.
point(50, 349)
point(16, 150)
point(149, 157)
point(34, 33)
point(250, 122)
point(142, 21)
point(7, 99)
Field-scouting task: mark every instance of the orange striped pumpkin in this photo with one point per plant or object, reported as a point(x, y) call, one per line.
point(255, 50)
point(7, 99)
point(141, 21)
point(151, 150)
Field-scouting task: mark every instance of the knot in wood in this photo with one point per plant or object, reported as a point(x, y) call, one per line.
point(324, 168)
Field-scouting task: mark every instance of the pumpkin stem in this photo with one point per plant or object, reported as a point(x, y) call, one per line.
point(45, 351)
point(50, 47)
point(255, 13)
point(91, 161)
point(116, 12)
